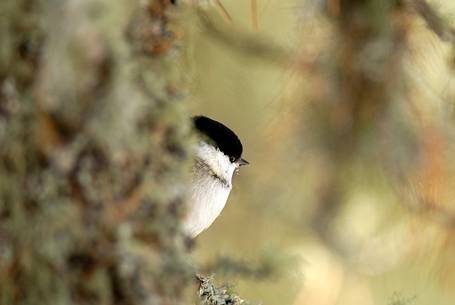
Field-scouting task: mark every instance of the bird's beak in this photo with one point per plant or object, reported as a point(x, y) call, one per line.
point(243, 162)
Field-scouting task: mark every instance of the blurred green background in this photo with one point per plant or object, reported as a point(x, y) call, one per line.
point(394, 256)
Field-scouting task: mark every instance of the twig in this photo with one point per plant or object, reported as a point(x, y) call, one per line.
point(246, 43)
point(433, 20)
point(211, 295)
point(435, 212)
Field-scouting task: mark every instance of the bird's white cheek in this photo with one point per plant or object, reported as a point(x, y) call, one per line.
point(231, 169)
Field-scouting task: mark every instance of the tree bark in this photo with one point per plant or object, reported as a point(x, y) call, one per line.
point(93, 151)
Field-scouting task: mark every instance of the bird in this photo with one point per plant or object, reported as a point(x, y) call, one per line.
point(218, 155)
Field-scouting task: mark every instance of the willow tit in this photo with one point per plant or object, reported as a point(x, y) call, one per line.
point(218, 156)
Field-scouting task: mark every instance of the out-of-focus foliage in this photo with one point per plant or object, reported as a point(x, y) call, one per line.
point(350, 141)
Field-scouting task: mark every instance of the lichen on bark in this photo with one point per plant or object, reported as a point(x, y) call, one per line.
point(93, 138)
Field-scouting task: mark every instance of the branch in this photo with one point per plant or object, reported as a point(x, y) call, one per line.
point(435, 212)
point(246, 43)
point(433, 20)
point(211, 295)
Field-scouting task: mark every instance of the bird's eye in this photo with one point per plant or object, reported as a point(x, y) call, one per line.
point(232, 159)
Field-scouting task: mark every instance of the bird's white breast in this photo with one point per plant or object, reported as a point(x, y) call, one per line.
point(210, 188)
point(206, 200)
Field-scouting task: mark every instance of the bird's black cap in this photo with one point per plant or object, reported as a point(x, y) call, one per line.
point(220, 136)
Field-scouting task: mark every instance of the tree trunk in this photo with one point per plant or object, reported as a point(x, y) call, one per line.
point(92, 153)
